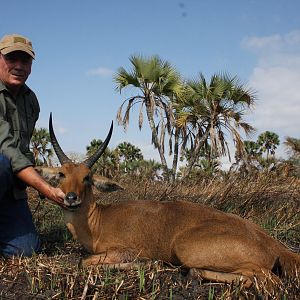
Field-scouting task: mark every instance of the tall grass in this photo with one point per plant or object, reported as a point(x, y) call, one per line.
point(272, 202)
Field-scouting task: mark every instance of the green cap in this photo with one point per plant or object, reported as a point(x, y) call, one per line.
point(16, 42)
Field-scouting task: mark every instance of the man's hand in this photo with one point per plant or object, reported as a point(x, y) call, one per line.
point(32, 178)
point(56, 195)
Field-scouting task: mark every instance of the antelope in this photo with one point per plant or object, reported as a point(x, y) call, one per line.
point(219, 246)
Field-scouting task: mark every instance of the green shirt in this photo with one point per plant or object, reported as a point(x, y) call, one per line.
point(17, 121)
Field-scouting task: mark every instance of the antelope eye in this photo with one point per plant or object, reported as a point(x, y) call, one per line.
point(61, 175)
point(87, 179)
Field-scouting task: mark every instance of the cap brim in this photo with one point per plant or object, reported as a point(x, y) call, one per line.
point(17, 48)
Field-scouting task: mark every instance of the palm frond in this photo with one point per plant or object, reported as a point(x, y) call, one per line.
point(293, 146)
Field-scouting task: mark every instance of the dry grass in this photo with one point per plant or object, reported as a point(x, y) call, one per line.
point(54, 274)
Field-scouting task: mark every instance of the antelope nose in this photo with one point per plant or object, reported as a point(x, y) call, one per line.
point(72, 201)
point(71, 197)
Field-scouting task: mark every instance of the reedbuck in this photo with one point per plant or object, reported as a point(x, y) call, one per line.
point(218, 246)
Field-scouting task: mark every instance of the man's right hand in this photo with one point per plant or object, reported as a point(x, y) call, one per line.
point(56, 195)
point(32, 178)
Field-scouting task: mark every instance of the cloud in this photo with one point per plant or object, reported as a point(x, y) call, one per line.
point(276, 78)
point(286, 43)
point(58, 128)
point(257, 43)
point(102, 72)
point(61, 130)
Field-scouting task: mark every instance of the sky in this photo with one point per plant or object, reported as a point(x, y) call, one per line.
point(80, 45)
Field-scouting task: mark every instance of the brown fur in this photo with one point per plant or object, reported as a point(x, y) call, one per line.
point(219, 246)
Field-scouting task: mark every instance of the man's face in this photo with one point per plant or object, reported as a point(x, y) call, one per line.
point(15, 67)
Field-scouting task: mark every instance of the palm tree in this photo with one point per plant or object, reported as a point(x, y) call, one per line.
point(206, 165)
point(249, 163)
point(128, 154)
point(156, 81)
point(292, 164)
point(293, 146)
point(150, 169)
point(268, 142)
point(40, 145)
point(252, 148)
point(208, 111)
point(107, 164)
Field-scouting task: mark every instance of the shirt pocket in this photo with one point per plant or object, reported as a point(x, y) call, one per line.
point(12, 119)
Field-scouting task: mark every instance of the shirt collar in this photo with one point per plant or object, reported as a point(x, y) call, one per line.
point(24, 89)
point(2, 86)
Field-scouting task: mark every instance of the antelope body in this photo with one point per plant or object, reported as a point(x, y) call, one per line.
point(220, 246)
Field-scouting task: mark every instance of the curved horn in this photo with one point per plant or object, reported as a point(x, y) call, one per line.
point(91, 160)
point(60, 154)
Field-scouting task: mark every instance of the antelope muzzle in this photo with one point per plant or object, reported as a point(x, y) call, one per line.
point(72, 201)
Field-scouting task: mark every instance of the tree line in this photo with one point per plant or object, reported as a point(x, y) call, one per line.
point(195, 119)
point(127, 159)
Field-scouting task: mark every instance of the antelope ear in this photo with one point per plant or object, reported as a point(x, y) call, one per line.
point(106, 185)
point(49, 174)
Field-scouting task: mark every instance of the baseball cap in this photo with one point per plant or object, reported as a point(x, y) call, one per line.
point(16, 42)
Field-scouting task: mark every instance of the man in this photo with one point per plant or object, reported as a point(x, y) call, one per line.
point(19, 111)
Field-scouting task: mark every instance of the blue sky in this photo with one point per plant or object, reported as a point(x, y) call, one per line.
point(80, 44)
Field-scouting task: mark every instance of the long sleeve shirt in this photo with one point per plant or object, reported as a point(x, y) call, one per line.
point(17, 121)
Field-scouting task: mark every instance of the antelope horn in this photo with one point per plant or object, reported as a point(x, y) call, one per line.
point(62, 157)
point(91, 160)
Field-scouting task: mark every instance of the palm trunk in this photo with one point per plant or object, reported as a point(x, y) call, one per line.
point(35, 153)
point(156, 142)
point(196, 151)
point(175, 155)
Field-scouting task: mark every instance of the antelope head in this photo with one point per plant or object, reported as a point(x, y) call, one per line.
point(76, 179)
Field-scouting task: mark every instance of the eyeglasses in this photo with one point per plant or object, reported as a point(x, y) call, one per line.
point(16, 56)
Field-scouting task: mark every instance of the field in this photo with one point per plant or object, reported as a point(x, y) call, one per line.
point(271, 201)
